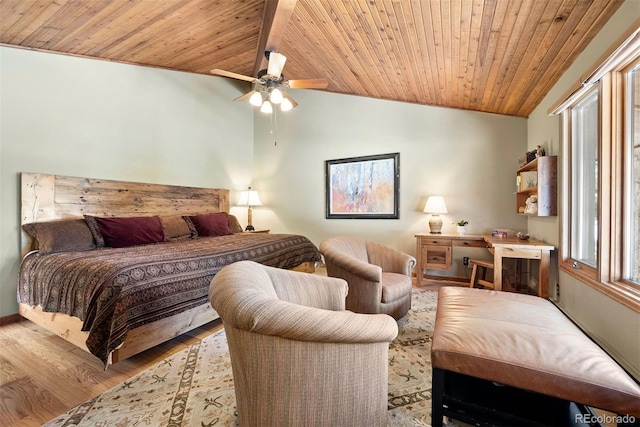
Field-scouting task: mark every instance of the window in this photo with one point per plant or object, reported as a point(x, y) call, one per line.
point(601, 176)
point(584, 179)
point(631, 252)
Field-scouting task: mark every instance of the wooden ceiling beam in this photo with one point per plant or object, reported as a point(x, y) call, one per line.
point(274, 23)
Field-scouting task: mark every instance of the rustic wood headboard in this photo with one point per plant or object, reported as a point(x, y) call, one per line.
point(47, 197)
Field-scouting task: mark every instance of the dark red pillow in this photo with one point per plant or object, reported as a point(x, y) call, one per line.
point(129, 231)
point(213, 224)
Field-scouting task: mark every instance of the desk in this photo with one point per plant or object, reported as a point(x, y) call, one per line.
point(434, 251)
point(512, 247)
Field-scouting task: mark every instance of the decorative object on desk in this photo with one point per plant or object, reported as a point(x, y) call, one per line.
point(499, 232)
point(531, 205)
point(539, 151)
point(522, 236)
point(462, 226)
point(363, 187)
point(435, 206)
point(249, 198)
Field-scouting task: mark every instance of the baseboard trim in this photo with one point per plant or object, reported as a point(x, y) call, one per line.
point(12, 318)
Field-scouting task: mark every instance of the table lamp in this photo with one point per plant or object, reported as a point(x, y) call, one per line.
point(249, 198)
point(435, 206)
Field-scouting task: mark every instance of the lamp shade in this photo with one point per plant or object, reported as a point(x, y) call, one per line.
point(249, 198)
point(266, 107)
point(256, 99)
point(435, 205)
point(286, 105)
point(276, 96)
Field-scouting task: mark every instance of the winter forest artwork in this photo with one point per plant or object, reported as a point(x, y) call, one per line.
point(363, 187)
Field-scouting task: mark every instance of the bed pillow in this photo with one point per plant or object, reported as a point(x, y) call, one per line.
point(95, 231)
point(62, 235)
point(120, 232)
point(176, 228)
point(234, 224)
point(213, 224)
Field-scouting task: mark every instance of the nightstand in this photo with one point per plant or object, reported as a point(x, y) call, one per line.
point(258, 231)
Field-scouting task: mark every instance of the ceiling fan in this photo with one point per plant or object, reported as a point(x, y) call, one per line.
point(268, 87)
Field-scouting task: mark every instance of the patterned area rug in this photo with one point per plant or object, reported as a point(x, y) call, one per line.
point(195, 386)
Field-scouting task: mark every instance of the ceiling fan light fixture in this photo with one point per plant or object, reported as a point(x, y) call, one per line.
point(276, 96)
point(266, 107)
point(286, 105)
point(256, 99)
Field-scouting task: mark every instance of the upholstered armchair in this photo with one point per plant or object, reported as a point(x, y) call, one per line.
point(298, 357)
point(379, 277)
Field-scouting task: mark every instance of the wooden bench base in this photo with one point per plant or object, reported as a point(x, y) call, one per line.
point(508, 359)
point(484, 403)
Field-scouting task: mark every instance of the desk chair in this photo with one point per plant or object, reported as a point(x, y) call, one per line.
point(480, 279)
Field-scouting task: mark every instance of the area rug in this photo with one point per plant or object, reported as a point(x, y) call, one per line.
point(195, 386)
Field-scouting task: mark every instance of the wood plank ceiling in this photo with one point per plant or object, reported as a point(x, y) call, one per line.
point(498, 56)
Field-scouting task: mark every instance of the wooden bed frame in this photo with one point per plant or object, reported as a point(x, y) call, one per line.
point(47, 197)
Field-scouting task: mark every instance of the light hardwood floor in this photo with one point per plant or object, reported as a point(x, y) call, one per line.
point(43, 376)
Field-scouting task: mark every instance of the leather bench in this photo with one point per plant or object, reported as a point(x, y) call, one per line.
point(502, 358)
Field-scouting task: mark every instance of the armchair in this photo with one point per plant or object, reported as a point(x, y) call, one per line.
point(379, 277)
point(298, 358)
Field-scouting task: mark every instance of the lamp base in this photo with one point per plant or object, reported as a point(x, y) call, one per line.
point(249, 220)
point(435, 224)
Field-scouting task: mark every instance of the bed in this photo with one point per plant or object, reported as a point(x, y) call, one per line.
point(117, 300)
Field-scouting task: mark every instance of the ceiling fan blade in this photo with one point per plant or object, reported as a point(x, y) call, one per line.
point(245, 97)
point(224, 73)
point(293, 101)
point(276, 64)
point(308, 84)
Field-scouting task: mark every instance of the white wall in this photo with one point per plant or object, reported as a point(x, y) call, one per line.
point(614, 326)
point(71, 116)
point(469, 158)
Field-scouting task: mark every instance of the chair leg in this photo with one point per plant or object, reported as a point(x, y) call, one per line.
point(478, 272)
point(474, 276)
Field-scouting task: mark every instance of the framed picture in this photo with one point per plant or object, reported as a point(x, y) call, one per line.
point(528, 180)
point(363, 187)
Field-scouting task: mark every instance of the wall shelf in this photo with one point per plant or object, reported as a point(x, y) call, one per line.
point(538, 178)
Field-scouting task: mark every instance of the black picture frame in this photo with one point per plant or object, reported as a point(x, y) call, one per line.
point(366, 187)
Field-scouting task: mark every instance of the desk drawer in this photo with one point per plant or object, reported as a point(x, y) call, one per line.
point(435, 241)
point(471, 243)
point(521, 253)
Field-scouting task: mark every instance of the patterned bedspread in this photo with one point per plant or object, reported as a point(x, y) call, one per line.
point(114, 290)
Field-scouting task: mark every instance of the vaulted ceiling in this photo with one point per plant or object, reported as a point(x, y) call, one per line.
point(498, 56)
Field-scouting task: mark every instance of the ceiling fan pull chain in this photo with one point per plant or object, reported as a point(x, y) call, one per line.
point(274, 126)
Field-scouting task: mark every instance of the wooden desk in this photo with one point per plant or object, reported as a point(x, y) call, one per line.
point(512, 247)
point(434, 251)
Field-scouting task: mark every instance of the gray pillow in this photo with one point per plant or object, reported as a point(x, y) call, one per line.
point(176, 228)
point(65, 235)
